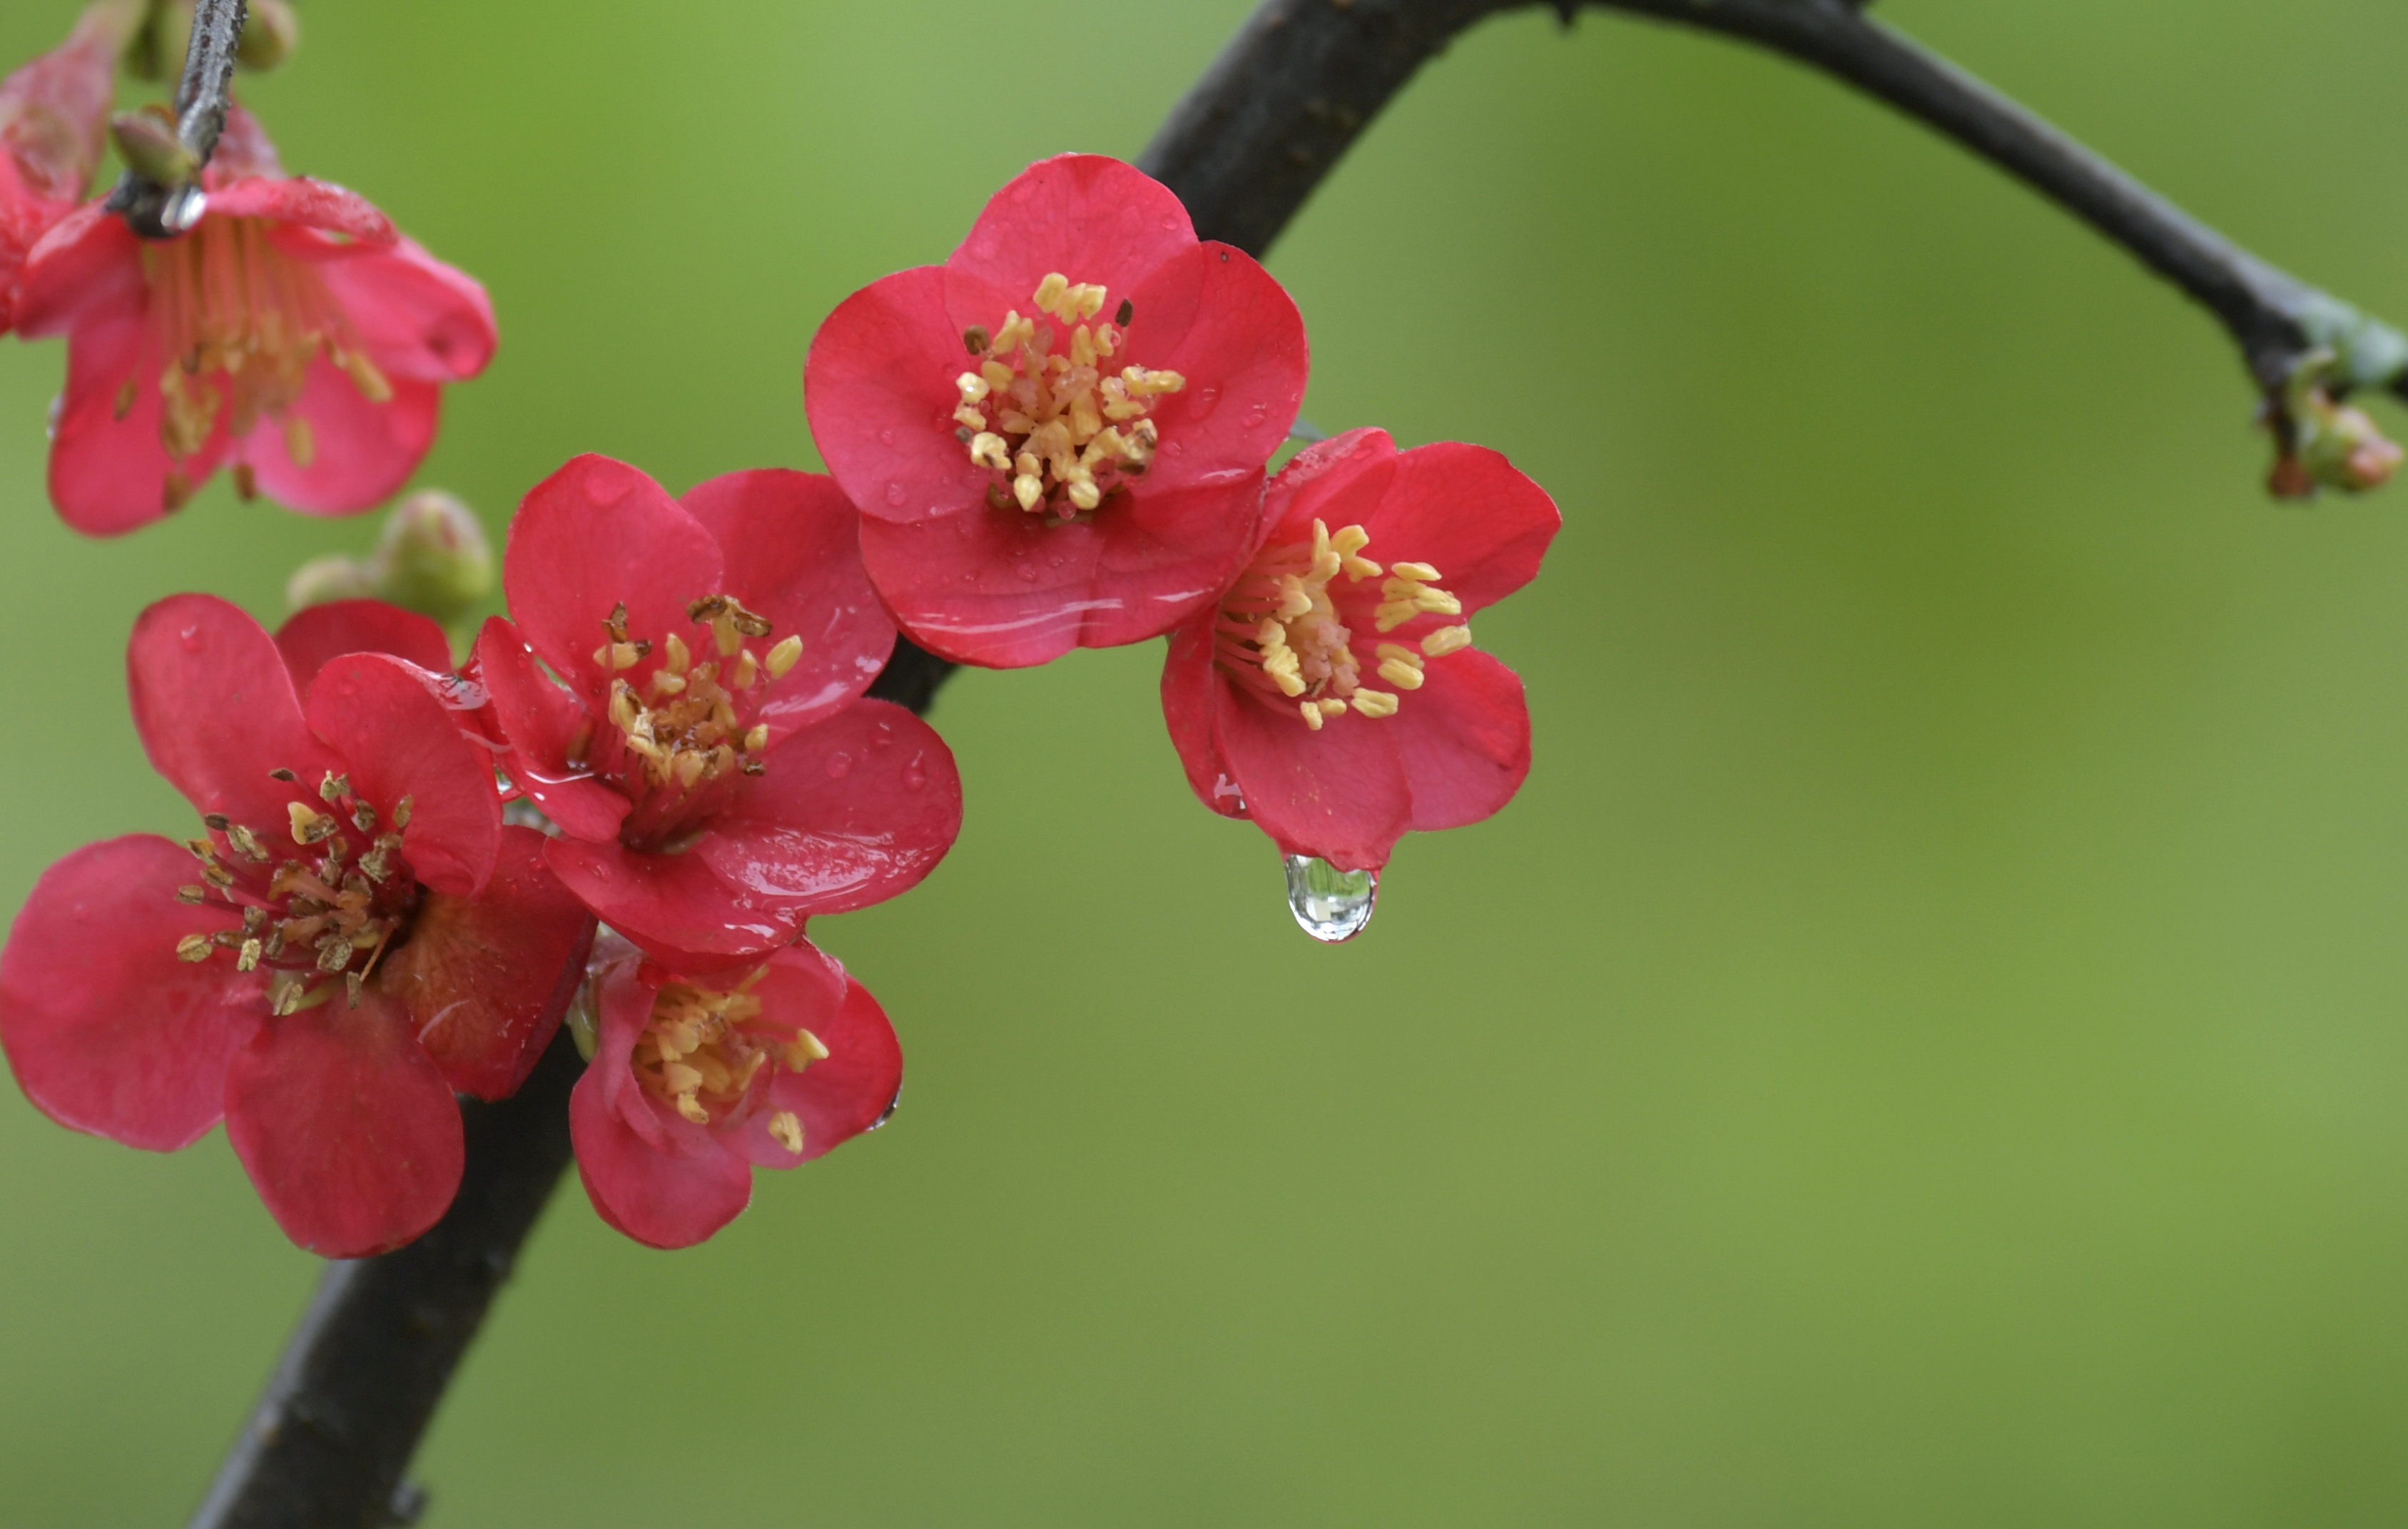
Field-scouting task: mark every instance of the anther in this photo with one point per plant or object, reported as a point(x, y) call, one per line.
point(1374, 703)
point(194, 948)
point(401, 814)
point(248, 958)
point(192, 895)
point(787, 1129)
point(247, 842)
point(218, 821)
point(974, 340)
point(1127, 311)
point(1312, 715)
point(286, 776)
point(352, 982)
point(335, 786)
point(1445, 640)
point(364, 818)
point(308, 826)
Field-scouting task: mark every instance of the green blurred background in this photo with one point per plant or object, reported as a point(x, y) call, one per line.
point(1926, 1047)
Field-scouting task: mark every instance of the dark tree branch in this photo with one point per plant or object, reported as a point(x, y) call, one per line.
point(332, 1437)
point(1304, 77)
point(326, 1447)
point(162, 211)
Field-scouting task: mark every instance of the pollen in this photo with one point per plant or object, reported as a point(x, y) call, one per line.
point(702, 1050)
point(1059, 430)
point(1288, 627)
point(240, 324)
point(683, 726)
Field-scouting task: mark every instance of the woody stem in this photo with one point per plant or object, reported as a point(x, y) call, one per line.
point(159, 212)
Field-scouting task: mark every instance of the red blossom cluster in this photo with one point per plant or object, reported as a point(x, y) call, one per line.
point(621, 809)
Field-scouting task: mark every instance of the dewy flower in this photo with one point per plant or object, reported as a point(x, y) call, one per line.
point(714, 773)
point(292, 334)
point(1057, 438)
point(1336, 701)
point(695, 1081)
point(356, 937)
point(53, 115)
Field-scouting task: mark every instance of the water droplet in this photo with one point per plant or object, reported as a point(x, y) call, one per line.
point(915, 775)
point(1207, 400)
point(839, 765)
point(1174, 448)
point(190, 637)
point(896, 494)
point(1330, 904)
point(888, 1113)
point(1029, 573)
point(1256, 413)
point(886, 436)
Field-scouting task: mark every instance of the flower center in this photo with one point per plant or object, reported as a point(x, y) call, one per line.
point(1058, 433)
point(225, 301)
point(332, 912)
point(696, 1056)
point(683, 726)
point(1281, 630)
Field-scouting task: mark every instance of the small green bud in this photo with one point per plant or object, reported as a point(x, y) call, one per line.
point(323, 580)
point(270, 34)
point(148, 143)
point(432, 557)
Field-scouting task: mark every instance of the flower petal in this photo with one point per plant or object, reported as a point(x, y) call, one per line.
point(1468, 512)
point(851, 812)
point(878, 388)
point(792, 544)
point(217, 711)
point(89, 263)
point(385, 718)
point(107, 1031)
point(538, 722)
point(360, 452)
point(346, 1127)
point(313, 636)
point(415, 316)
point(486, 979)
point(594, 534)
point(1464, 739)
point(658, 1200)
point(109, 474)
point(1190, 691)
point(1087, 216)
point(672, 906)
point(1245, 359)
point(1338, 793)
point(851, 1090)
point(317, 204)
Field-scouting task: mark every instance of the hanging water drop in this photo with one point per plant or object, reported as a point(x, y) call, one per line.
point(1330, 904)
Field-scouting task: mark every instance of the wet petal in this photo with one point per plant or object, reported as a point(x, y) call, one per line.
point(486, 979)
point(673, 905)
point(346, 1127)
point(359, 626)
point(658, 1200)
point(217, 711)
point(594, 534)
point(541, 722)
point(385, 718)
point(107, 1030)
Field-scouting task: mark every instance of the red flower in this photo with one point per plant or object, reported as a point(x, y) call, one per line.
point(1057, 437)
point(291, 333)
point(1336, 703)
point(361, 936)
point(53, 115)
point(695, 1082)
point(714, 773)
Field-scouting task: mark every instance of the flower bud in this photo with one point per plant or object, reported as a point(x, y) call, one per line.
point(147, 141)
point(432, 557)
point(269, 34)
point(323, 580)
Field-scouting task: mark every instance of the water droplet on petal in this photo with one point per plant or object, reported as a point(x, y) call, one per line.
point(888, 1113)
point(886, 436)
point(839, 765)
point(915, 775)
point(1029, 573)
point(190, 637)
point(1330, 904)
point(1207, 400)
point(1256, 413)
point(1174, 448)
point(896, 494)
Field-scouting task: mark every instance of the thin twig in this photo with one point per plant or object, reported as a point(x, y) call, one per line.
point(158, 211)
